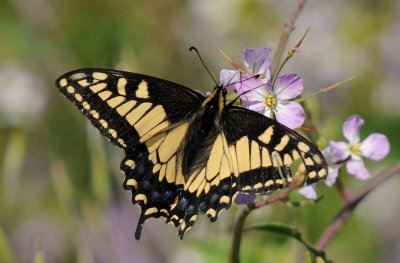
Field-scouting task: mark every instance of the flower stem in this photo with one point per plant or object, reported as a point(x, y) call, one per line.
point(239, 222)
point(287, 29)
point(238, 232)
point(351, 204)
point(327, 89)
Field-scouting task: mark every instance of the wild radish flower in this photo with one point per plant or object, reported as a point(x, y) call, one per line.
point(375, 147)
point(260, 96)
point(259, 93)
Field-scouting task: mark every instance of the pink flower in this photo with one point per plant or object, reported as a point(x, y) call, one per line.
point(259, 93)
point(375, 147)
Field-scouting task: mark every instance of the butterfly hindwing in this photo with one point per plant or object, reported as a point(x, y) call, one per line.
point(207, 190)
point(128, 108)
point(263, 152)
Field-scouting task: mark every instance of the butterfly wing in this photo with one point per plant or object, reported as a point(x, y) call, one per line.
point(263, 151)
point(128, 108)
point(147, 117)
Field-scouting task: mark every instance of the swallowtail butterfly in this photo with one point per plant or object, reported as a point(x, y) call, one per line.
point(187, 154)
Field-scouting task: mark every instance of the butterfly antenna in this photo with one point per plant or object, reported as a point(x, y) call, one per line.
point(204, 65)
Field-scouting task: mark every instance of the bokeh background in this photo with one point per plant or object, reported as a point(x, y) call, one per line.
point(61, 198)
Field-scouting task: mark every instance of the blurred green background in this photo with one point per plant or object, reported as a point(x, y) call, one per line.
point(61, 198)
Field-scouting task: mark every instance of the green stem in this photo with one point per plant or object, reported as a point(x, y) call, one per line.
point(239, 222)
point(327, 89)
point(238, 232)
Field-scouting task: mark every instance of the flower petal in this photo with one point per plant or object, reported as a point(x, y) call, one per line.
point(257, 106)
point(340, 150)
point(309, 192)
point(257, 61)
point(288, 86)
point(226, 77)
point(358, 169)
point(251, 89)
point(375, 147)
point(290, 114)
point(333, 172)
point(244, 198)
point(351, 128)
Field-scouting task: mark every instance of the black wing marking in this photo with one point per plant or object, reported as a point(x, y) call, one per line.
point(128, 108)
point(262, 152)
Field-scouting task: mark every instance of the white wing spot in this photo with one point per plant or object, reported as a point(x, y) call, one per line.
point(63, 83)
point(79, 75)
point(99, 75)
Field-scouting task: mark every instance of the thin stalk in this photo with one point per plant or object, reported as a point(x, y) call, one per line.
point(286, 31)
point(327, 89)
point(238, 232)
point(342, 216)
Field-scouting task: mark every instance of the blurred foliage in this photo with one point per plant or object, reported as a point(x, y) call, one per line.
point(61, 198)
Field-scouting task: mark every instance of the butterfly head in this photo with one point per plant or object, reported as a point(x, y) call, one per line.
point(217, 97)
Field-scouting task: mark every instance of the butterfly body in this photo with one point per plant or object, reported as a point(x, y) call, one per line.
point(187, 154)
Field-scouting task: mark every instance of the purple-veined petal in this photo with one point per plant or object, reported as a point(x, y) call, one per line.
point(290, 114)
point(257, 61)
point(288, 86)
point(375, 147)
point(340, 150)
point(268, 112)
point(244, 198)
point(357, 168)
point(251, 89)
point(257, 106)
point(351, 128)
point(227, 77)
point(329, 154)
point(309, 192)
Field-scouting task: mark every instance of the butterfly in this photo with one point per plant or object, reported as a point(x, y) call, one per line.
point(187, 154)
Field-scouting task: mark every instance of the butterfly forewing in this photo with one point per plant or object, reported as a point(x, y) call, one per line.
point(128, 108)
